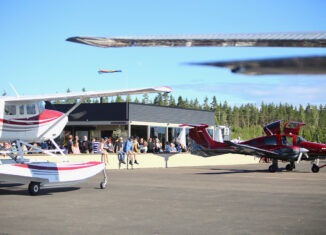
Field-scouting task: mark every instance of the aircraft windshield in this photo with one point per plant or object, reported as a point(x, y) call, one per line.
point(300, 139)
point(41, 106)
point(287, 140)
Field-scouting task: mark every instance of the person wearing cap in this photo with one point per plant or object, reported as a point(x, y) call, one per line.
point(110, 148)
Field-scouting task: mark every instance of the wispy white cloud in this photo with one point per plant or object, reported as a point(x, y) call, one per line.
point(293, 90)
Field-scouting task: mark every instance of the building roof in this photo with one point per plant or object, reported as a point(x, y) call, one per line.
point(97, 112)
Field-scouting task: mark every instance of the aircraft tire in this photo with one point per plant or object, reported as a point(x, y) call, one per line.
point(272, 169)
point(315, 168)
point(34, 188)
point(103, 185)
point(289, 167)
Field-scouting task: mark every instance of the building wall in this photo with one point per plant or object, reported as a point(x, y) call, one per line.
point(160, 114)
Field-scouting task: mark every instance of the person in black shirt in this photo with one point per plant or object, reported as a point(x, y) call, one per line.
point(119, 150)
point(86, 146)
point(150, 145)
point(69, 144)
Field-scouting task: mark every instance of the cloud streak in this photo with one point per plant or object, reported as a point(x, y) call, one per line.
point(293, 91)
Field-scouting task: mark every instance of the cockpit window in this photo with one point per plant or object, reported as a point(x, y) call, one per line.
point(10, 109)
point(41, 107)
point(287, 140)
point(271, 140)
point(21, 109)
point(30, 108)
point(300, 139)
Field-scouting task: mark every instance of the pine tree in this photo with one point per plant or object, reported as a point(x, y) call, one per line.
point(214, 103)
point(196, 104)
point(119, 99)
point(206, 106)
point(128, 99)
point(165, 99)
point(180, 102)
point(145, 99)
point(172, 101)
point(158, 99)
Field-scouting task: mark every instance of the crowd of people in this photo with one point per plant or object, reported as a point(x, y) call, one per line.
point(129, 147)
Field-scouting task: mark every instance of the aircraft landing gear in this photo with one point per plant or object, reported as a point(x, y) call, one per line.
point(104, 183)
point(274, 167)
point(34, 188)
point(315, 168)
point(290, 166)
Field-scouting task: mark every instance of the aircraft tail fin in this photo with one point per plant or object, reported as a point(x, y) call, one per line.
point(200, 135)
point(203, 144)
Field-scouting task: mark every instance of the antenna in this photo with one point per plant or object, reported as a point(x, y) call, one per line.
point(13, 88)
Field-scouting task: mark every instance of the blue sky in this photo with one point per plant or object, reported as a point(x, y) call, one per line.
point(36, 59)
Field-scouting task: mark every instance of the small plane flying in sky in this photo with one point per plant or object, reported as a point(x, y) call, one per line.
point(292, 65)
point(109, 71)
point(24, 119)
point(288, 147)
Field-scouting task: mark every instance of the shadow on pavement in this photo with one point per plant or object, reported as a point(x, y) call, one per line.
point(43, 192)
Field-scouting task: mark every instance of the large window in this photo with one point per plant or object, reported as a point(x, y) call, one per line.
point(159, 132)
point(81, 134)
point(139, 131)
point(174, 132)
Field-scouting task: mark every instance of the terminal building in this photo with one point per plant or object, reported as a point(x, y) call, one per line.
point(131, 119)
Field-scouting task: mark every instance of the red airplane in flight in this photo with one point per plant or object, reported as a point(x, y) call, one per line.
point(288, 147)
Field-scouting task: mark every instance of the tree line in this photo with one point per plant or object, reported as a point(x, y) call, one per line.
point(246, 121)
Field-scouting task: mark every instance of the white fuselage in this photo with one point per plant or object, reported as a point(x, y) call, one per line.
point(29, 122)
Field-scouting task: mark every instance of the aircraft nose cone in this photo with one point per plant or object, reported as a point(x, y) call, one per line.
point(304, 150)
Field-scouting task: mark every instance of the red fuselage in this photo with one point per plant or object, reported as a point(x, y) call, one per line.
point(275, 142)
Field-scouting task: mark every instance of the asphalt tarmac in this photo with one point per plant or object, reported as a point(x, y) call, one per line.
point(241, 199)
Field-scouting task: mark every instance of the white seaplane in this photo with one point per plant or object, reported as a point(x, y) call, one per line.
point(24, 119)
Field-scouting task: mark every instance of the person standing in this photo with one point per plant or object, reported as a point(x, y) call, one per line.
point(86, 146)
point(150, 145)
point(70, 144)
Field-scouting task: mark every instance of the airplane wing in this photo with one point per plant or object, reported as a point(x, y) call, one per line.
point(292, 65)
point(250, 150)
point(290, 39)
point(89, 94)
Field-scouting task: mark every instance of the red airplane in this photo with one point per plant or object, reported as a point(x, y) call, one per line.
point(288, 147)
